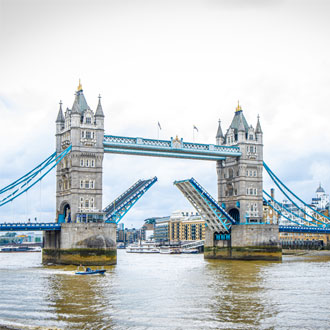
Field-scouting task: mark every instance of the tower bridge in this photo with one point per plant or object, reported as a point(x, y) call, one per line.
point(85, 232)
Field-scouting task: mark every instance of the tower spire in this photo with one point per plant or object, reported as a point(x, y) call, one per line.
point(60, 117)
point(238, 108)
point(258, 127)
point(99, 110)
point(79, 86)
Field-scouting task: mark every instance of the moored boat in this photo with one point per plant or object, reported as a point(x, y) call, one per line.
point(90, 271)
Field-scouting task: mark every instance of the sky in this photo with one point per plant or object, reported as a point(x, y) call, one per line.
point(180, 63)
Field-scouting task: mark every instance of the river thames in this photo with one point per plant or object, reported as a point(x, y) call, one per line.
point(166, 292)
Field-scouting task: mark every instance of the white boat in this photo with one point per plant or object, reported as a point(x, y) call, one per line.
point(189, 251)
point(168, 250)
point(143, 248)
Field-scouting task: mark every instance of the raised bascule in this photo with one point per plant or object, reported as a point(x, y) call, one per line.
point(85, 233)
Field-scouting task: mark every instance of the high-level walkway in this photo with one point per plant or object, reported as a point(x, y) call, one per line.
point(173, 148)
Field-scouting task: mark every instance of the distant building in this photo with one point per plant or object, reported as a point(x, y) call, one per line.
point(321, 201)
point(180, 226)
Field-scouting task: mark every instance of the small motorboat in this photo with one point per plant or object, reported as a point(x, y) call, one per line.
point(89, 271)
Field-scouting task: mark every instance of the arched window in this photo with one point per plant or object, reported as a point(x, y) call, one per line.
point(86, 203)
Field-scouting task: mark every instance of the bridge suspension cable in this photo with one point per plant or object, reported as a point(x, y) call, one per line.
point(26, 181)
point(281, 206)
point(283, 187)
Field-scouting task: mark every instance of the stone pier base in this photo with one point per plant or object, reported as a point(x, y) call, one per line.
point(248, 242)
point(88, 244)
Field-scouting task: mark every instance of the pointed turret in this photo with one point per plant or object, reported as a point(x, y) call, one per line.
point(219, 137)
point(60, 117)
point(238, 120)
point(99, 110)
point(79, 104)
point(258, 127)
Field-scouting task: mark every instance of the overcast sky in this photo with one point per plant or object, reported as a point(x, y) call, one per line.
point(181, 63)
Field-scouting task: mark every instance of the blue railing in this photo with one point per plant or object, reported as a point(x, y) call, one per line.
point(121, 205)
point(168, 148)
point(17, 226)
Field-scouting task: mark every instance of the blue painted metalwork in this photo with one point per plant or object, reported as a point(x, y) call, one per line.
point(289, 211)
point(29, 226)
point(174, 148)
point(28, 175)
point(216, 217)
point(275, 179)
point(304, 229)
point(122, 204)
point(28, 178)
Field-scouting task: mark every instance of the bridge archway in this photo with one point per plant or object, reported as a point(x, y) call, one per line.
point(65, 212)
point(234, 213)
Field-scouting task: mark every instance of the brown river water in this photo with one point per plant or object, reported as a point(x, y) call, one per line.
point(166, 292)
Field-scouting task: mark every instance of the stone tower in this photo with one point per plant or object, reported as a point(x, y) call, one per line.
point(79, 174)
point(240, 178)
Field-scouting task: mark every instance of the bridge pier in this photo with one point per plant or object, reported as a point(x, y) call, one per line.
point(89, 244)
point(247, 242)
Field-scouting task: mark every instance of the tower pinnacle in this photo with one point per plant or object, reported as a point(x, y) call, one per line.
point(79, 86)
point(238, 108)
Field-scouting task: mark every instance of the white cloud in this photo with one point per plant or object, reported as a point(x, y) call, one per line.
point(182, 63)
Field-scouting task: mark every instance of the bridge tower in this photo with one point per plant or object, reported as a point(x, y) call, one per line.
point(240, 178)
point(84, 237)
point(240, 194)
point(79, 175)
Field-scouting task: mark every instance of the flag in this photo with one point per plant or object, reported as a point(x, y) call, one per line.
point(195, 128)
point(159, 126)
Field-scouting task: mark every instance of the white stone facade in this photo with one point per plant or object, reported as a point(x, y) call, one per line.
point(240, 178)
point(79, 174)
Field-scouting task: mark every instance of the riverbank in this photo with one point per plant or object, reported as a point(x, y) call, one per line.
point(308, 253)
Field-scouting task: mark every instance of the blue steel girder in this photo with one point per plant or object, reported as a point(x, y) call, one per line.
point(16, 226)
point(173, 148)
point(215, 217)
point(303, 229)
point(115, 213)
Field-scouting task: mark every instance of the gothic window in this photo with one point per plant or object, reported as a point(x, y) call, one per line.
point(251, 191)
point(250, 137)
point(230, 191)
point(91, 184)
point(230, 173)
point(254, 191)
point(87, 203)
point(81, 184)
point(92, 163)
point(88, 120)
point(247, 173)
point(87, 184)
point(88, 135)
point(92, 203)
point(255, 173)
point(81, 202)
point(87, 163)
point(82, 134)
point(247, 191)
point(60, 185)
point(81, 162)
point(93, 135)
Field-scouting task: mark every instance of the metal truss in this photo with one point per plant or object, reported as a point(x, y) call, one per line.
point(29, 226)
point(173, 148)
point(304, 229)
point(116, 210)
point(214, 215)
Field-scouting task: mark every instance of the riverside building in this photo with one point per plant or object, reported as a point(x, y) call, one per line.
point(179, 227)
